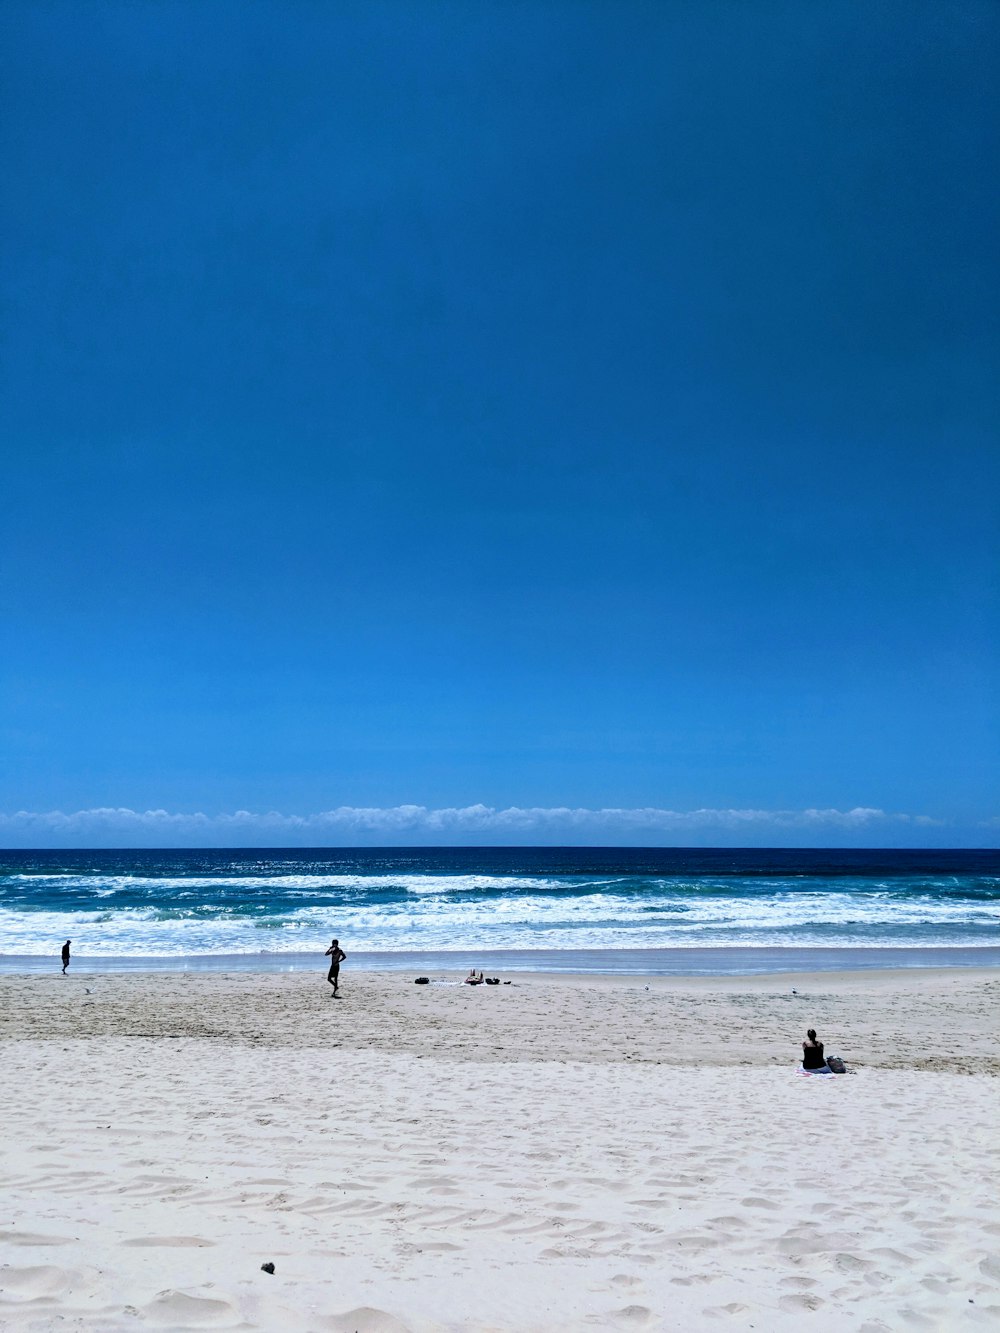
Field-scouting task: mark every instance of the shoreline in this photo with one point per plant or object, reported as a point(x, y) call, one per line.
point(690, 962)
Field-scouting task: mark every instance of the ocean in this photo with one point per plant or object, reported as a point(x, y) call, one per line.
point(569, 908)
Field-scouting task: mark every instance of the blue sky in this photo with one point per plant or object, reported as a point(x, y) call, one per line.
point(531, 407)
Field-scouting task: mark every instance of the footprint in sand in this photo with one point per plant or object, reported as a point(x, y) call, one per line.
point(32, 1238)
point(437, 1185)
point(426, 1247)
point(364, 1319)
point(914, 1319)
point(38, 1282)
point(850, 1263)
point(633, 1316)
point(897, 1256)
point(169, 1242)
point(178, 1309)
point(806, 1301)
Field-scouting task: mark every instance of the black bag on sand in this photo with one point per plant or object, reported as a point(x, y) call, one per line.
point(836, 1065)
point(421, 981)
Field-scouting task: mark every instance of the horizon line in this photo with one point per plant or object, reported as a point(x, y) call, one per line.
point(502, 847)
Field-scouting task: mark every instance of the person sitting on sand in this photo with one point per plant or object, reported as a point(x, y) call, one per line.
point(473, 980)
point(336, 956)
point(813, 1058)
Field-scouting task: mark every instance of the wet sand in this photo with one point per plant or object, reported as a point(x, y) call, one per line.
point(729, 960)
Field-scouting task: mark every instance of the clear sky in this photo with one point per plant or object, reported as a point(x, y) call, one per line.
point(530, 406)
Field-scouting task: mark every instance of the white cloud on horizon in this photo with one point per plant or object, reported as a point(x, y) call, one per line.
point(419, 824)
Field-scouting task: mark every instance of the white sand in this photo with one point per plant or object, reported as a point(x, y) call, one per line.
point(557, 1154)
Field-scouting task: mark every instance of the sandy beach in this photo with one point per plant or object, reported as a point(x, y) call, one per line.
point(561, 1153)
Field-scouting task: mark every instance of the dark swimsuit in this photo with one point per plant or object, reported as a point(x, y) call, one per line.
point(812, 1056)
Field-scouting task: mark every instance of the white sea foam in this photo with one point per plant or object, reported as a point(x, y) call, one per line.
point(422, 884)
point(524, 920)
point(255, 905)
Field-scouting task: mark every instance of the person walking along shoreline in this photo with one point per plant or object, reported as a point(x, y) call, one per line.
point(336, 956)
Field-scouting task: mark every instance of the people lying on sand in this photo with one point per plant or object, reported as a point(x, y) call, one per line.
point(474, 979)
point(812, 1052)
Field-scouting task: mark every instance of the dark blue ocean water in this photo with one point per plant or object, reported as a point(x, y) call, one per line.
point(172, 904)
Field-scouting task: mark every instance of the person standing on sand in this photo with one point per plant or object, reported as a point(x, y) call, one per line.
point(336, 956)
point(65, 955)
